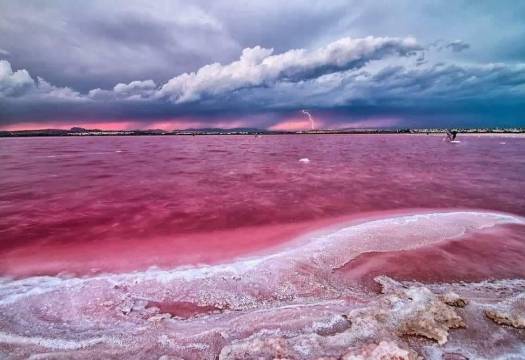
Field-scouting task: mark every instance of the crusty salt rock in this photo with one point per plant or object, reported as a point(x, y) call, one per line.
point(453, 299)
point(411, 310)
point(159, 317)
point(256, 348)
point(390, 286)
point(107, 304)
point(454, 356)
point(509, 312)
point(426, 315)
point(125, 308)
point(385, 350)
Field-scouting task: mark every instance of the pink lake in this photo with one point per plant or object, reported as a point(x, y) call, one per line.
point(106, 204)
point(230, 247)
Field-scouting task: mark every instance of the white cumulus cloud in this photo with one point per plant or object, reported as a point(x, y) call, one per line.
point(14, 83)
point(135, 90)
point(260, 67)
point(20, 84)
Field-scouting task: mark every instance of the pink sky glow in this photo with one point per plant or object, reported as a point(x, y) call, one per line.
point(168, 125)
point(297, 122)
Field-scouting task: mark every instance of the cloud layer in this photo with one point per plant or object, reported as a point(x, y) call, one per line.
point(205, 64)
point(256, 68)
point(260, 67)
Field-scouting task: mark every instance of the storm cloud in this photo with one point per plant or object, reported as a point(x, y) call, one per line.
point(259, 67)
point(259, 64)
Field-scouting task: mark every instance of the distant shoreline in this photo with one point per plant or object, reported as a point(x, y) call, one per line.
point(514, 132)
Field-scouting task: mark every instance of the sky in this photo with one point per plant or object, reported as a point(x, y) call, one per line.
point(137, 64)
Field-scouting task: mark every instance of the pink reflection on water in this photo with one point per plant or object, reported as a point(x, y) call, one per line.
point(123, 203)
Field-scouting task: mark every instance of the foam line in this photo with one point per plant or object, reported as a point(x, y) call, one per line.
point(326, 248)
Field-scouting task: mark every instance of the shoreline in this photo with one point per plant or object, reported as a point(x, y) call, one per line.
point(297, 303)
point(34, 260)
point(257, 133)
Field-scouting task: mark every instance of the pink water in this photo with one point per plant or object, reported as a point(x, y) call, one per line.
point(117, 203)
point(241, 238)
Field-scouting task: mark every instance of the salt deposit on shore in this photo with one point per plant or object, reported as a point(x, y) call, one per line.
point(287, 304)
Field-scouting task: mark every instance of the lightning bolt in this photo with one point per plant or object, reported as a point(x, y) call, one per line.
point(310, 117)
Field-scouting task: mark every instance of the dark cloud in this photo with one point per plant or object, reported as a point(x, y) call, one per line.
point(134, 59)
point(277, 24)
point(471, 95)
point(84, 45)
point(457, 46)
